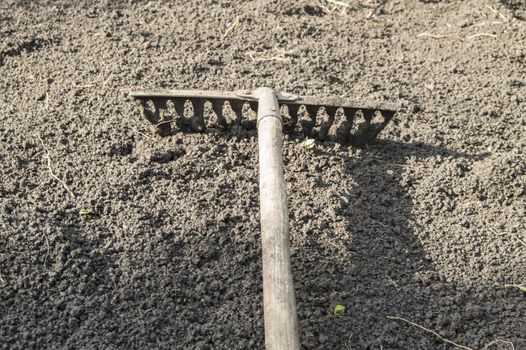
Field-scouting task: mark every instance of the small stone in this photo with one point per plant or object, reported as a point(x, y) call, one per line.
point(415, 108)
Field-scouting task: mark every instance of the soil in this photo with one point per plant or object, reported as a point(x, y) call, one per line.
point(427, 224)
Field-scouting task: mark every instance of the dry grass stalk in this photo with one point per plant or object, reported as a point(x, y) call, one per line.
point(460, 346)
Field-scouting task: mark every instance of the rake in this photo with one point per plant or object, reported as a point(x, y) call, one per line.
point(338, 120)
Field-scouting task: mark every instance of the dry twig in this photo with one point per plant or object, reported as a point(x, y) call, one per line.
point(83, 86)
point(48, 159)
point(281, 56)
point(497, 12)
point(481, 24)
point(234, 25)
point(521, 241)
point(506, 234)
point(339, 3)
point(107, 80)
point(429, 331)
point(435, 36)
point(499, 341)
point(481, 34)
point(141, 133)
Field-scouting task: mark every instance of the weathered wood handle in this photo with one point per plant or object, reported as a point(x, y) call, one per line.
point(281, 324)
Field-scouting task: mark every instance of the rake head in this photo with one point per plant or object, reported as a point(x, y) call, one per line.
point(338, 120)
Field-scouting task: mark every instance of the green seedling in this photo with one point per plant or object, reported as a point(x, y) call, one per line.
point(87, 214)
point(339, 310)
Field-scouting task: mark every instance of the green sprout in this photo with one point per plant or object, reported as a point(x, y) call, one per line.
point(339, 310)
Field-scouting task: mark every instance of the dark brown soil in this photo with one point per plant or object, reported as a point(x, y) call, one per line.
point(427, 224)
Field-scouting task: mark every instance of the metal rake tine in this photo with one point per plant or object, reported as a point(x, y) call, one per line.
point(368, 114)
point(237, 108)
point(343, 124)
point(376, 128)
point(148, 114)
point(164, 126)
point(362, 133)
point(293, 115)
point(157, 117)
point(331, 111)
point(350, 113)
point(217, 106)
point(197, 121)
point(248, 115)
point(289, 120)
point(387, 115)
point(312, 110)
point(249, 120)
point(308, 119)
point(179, 106)
point(324, 122)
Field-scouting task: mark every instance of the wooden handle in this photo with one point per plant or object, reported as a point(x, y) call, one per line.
point(281, 324)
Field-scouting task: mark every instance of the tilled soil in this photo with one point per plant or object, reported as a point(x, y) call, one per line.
point(427, 224)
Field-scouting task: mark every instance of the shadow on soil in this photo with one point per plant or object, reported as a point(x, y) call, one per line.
point(515, 6)
point(388, 271)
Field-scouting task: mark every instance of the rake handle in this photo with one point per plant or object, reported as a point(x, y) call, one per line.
point(281, 324)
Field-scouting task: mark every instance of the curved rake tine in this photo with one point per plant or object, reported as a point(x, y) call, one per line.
point(163, 125)
point(376, 128)
point(150, 115)
point(178, 104)
point(217, 106)
point(197, 121)
point(308, 120)
point(325, 121)
point(343, 124)
point(293, 114)
point(362, 134)
point(237, 108)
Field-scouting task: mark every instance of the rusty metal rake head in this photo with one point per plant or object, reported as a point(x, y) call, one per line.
point(335, 119)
